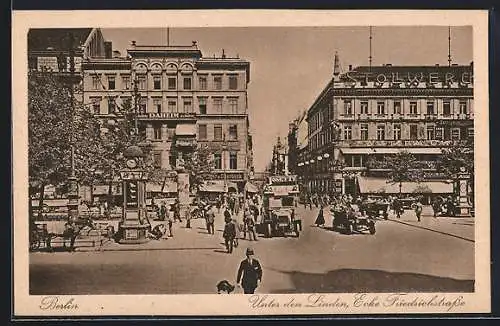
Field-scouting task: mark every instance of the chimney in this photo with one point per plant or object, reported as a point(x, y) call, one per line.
point(336, 65)
point(388, 64)
point(133, 43)
point(350, 67)
point(223, 54)
point(108, 50)
point(437, 64)
point(194, 43)
point(116, 54)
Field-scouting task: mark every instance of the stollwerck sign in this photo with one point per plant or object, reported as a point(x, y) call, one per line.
point(410, 79)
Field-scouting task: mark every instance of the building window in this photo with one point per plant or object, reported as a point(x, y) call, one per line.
point(233, 161)
point(364, 131)
point(439, 133)
point(202, 105)
point(430, 108)
point(188, 105)
point(203, 82)
point(397, 132)
point(202, 131)
point(347, 107)
point(217, 104)
point(233, 82)
point(455, 133)
point(218, 132)
point(233, 132)
point(431, 133)
point(111, 105)
point(172, 83)
point(187, 83)
point(96, 81)
point(170, 133)
point(347, 132)
point(157, 159)
point(111, 82)
point(364, 107)
point(96, 105)
point(218, 82)
point(141, 81)
point(233, 105)
point(156, 82)
point(126, 82)
point(413, 132)
point(143, 105)
point(157, 132)
point(381, 132)
point(463, 107)
point(218, 161)
point(157, 105)
point(357, 161)
point(413, 108)
point(380, 108)
point(397, 107)
point(470, 132)
point(446, 108)
point(172, 105)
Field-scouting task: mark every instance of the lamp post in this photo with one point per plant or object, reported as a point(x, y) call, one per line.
point(224, 150)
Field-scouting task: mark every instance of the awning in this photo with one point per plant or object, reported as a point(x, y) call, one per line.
point(217, 186)
point(372, 185)
point(156, 187)
point(392, 150)
point(185, 130)
point(249, 187)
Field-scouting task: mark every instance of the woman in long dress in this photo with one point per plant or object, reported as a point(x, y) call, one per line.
point(320, 220)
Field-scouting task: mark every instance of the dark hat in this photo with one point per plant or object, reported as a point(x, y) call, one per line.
point(250, 251)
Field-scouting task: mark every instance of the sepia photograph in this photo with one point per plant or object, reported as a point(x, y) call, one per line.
point(307, 168)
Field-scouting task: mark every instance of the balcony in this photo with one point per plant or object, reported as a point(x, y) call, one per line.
point(402, 143)
point(167, 116)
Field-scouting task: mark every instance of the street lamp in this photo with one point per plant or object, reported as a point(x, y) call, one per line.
point(224, 149)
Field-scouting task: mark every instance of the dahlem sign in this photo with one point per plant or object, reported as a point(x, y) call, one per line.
point(411, 79)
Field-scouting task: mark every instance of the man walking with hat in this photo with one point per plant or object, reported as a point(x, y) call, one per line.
point(249, 273)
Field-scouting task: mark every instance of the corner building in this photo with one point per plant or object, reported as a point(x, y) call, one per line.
point(370, 112)
point(184, 100)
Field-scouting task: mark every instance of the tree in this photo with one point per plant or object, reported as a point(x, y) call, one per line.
point(49, 132)
point(199, 165)
point(455, 158)
point(402, 166)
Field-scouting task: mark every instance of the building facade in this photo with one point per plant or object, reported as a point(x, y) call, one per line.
point(183, 100)
point(368, 113)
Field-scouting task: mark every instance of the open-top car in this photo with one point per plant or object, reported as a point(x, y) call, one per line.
point(376, 207)
point(349, 221)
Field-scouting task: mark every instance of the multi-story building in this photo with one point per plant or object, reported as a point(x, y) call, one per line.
point(370, 112)
point(183, 100)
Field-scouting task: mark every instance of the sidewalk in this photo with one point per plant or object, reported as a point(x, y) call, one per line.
point(194, 238)
point(459, 227)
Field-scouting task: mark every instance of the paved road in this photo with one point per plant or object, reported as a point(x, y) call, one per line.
point(399, 257)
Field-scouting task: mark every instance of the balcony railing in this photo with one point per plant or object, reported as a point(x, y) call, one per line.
point(403, 143)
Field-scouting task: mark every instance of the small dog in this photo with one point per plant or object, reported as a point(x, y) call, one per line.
point(224, 286)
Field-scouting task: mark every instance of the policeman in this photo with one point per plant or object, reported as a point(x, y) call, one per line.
point(249, 273)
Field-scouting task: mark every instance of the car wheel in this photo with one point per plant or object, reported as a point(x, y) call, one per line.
point(350, 228)
point(372, 229)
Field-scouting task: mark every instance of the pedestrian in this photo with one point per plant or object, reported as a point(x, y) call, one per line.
point(320, 220)
point(177, 213)
point(170, 222)
point(249, 273)
point(237, 232)
point(229, 234)
point(163, 211)
point(250, 227)
point(210, 219)
point(397, 206)
point(418, 209)
point(188, 218)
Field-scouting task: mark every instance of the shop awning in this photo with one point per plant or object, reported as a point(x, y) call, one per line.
point(249, 187)
point(185, 130)
point(372, 185)
point(356, 150)
point(218, 186)
point(170, 187)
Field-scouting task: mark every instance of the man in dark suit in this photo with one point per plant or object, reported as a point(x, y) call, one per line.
point(251, 271)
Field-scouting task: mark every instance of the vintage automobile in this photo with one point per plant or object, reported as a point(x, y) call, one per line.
point(376, 207)
point(278, 216)
point(351, 222)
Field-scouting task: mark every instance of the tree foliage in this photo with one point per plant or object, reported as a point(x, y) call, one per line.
point(199, 165)
point(455, 157)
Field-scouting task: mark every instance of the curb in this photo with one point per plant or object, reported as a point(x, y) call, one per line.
point(432, 230)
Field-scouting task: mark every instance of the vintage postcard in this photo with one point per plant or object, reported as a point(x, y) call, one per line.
point(181, 163)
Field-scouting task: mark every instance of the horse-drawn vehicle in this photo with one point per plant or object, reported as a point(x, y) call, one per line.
point(349, 221)
point(278, 215)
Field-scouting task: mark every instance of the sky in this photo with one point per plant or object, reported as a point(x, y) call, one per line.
point(290, 66)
